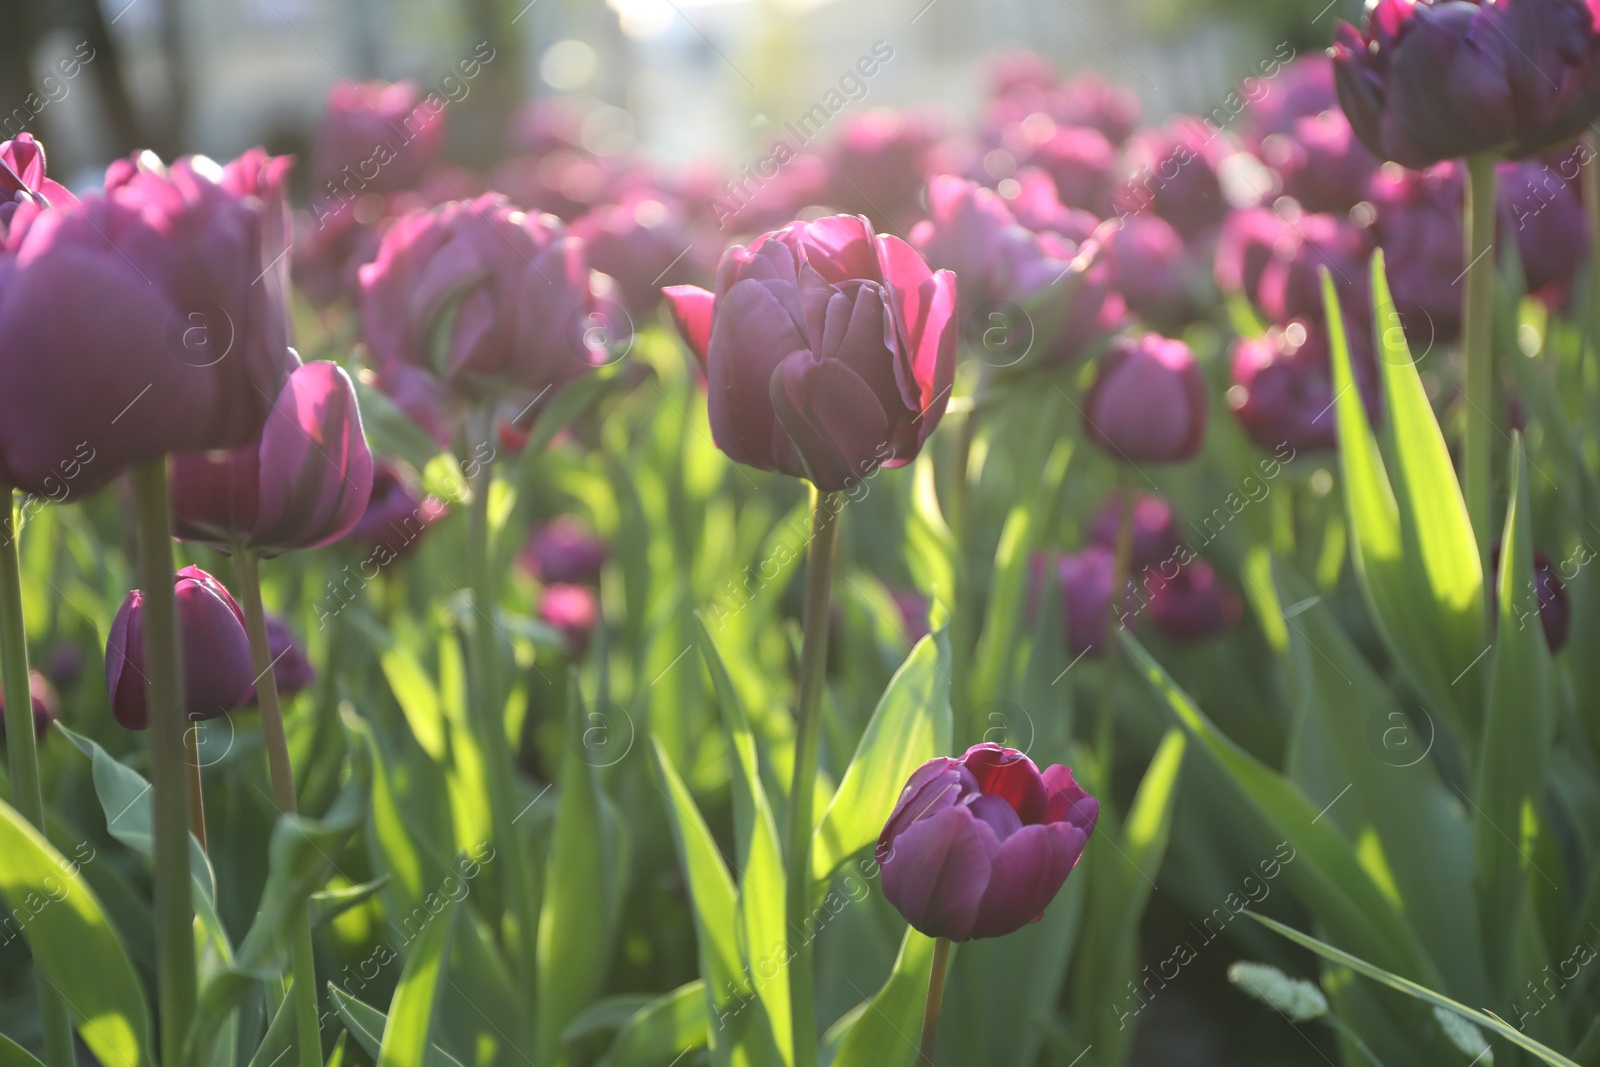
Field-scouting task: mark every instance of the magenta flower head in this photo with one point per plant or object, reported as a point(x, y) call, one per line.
point(23, 181)
point(303, 483)
point(1418, 226)
point(1245, 246)
point(1321, 162)
point(217, 677)
point(971, 232)
point(46, 705)
point(150, 319)
point(477, 299)
point(565, 551)
point(1080, 160)
point(1090, 100)
point(1087, 578)
point(1148, 401)
point(1429, 81)
point(1194, 605)
point(880, 162)
point(1302, 88)
point(397, 514)
point(376, 137)
point(1291, 282)
point(642, 242)
point(291, 668)
point(1150, 267)
point(979, 846)
point(829, 350)
point(1545, 214)
point(573, 610)
point(1173, 172)
point(1155, 529)
point(1282, 392)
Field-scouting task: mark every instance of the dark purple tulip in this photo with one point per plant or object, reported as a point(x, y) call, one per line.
point(1090, 100)
point(46, 705)
point(644, 244)
point(979, 846)
point(1173, 172)
point(217, 677)
point(971, 232)
point(1549, 593)
point(291, 668)
point(1038, 208)
point(1321, 162)
point(304, 483)
point(23, 182)
point(1148, 401)
point(830, 350)
point(572, 609)
point(376, 137)
point(1150, 268)
point(396, 515)
point(1077, 328)
point(1086, 579)
point(879, 164)
point(1429, 81)
point(565, 551)
point(1155, 530)
point(513, 291)
point(1282, 390)
point(1081, 161)
point(1245, 246)
point(1545, 214)
point(1302, 88)
point(1418, 226)
point(147, 320)
point(1194, 605)
point(1291, 283)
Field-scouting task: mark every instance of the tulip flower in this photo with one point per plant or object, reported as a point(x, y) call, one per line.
point(1148, 401)
point(376, 137)
point(23, 182)
point(1150, 268)
point(1545, 215)
point(879, 163)
point(1087, 578)
point(1322, 163)
point(642, 243)
point(979, 846)
point(565, 551)
point(148, 320)
point(1087, 100)
point(1194, 605)
point(397, 514)
point(1429, 81)
point(472, 300)
point(1282, 390)
point(1080, 160)
point(1245, 247)
point(1418, 226)
point(912, 607)
point(216, 652)
point(46, 705)
point(1291, 283)
point(1173, 172)
point(1303, 88)
point(1036, 204)
point(573, 610)
point(64, 666)
point(291, 668)
point(302, 484)
point(1154, 534)
point(829, 350)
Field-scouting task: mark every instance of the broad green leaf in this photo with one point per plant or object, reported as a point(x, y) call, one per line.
point(1486, 1020)
point(406, 1037)
point(73, 944)
point(415, 693)
point(1511, 761)
point(931, 552)
point(14, 1055)
point(879, 1037)
point(367, 1025)
point(910, 726)
point(279, 1040)
point(667, 1027)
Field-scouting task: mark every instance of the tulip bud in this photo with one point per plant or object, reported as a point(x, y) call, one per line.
point(46, 705)
point(1545, 214)
point(396, 516)
point(1154, 533)
point(1086, 579)
point(1194, 605)
point(1282, 391)
point(1291, 282)
point(979, 846)
point(1418, 226)
point(24, 187)
point(216, 652)
point(1148, 401)
point(1082, 163)
point(564, 551)
point(1173, 172)
point(641, 242)
point(376, 137)
point(291, 669)
point(1322, 163)
point(1303, 87)
point(1150, 268)
point(879, 163)
point(572, 609)
point(1245, 247)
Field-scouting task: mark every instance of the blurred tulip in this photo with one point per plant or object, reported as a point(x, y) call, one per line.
point(565, 551)
point(572, 609)
point(1172, 171)
point(979, 846)
point(1017, 69)
point(471, 300)
point(1194, 605)
point(396, 516)
point(972, 233)
point(1245, 247)
point(1086, 100)
point(1429, 81)
point(829, 350)
point(64, 666)
point(879, 163)
point(1150, 267)
point(1291, 282)
point(1148, 401)
point(376, 137)
point(1322, 163)
point(1418, 226)
point(150, 319)
point(1546, 216)
point(23, 182)
point(1282, 390)
point(46, 705)
point(1086, 579)
point(1081, 162)
point(1155, 530)
point(1302, 88)
point(913, 609)
point(644, 244)
point(304, 483)
point(291, 669)
point(216, 653)
point(1037, 207)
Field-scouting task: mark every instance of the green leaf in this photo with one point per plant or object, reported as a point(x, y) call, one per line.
point(328, 904)
point(879, 1035)
point(1487, 1020)
point(14, 1055)
point(1511, 766)
point(279, 1039)
point(367, 1025)
point(663, 1029)
point(414, 691)
point(405, 1038)
point(910, 726)
point(73, 944)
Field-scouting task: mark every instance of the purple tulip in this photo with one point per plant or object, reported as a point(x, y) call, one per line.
point(913, 609)
point(396, 516)
point(291, 668)
point(1037, 207)
point(46, 705)
point(1322, 163)
point(1086, 100)
point(1150, 267)
point(979, 846)
point(1194, 605)
point(879, 163)
point(643, 243)
point(1302, 88)
point(304, 483)
point(1549, 594)
point(1018, 70)
point(1245, 246)
point(1546, 216)
point(573, 610)
point(1429, 81)
point(829, 351)
point(217, 677)
point(471, 300)
point(1173, 172)
point(1155, 530)
point(1086, 579)
point(1080, 160)
point(972, 233)
point(23, 182)
point(1282, 390)
point(148, 320)
point(1291, 283)
point(1076, 328)
point(1418, 226)
point(565, 551)
point(1148, 401)
point(376, 137)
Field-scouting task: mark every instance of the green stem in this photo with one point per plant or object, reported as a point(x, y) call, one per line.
point(825, 508)
point(1479, 345)
point(489, 715)
point(302, 956)
point(169, 787)
point(1105, 733)
point(962, 621)
point(22, 750)
point(930, 1013)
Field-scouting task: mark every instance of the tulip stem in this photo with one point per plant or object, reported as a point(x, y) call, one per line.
point(22, 751)
point(169, 789)
point(302, 953)
point(1479, 345)
point(930, 1014)
point(197, 793)
point(489, 711)
point(825, 508)
point(1120, 567)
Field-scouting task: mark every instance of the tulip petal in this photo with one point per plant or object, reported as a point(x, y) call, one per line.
point(937, 873)
point(1068, 801)
point(935, 786)
point(316, 469)
point(752, 335)
point(1009, 774)
point(836, 423)
point(1025, 875)
point(691, 313)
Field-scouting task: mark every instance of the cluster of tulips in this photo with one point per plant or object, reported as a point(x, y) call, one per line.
point(912, 269)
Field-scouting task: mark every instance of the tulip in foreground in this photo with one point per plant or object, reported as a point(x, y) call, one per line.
point(979, 846)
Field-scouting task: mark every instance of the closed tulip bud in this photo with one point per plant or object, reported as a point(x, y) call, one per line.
point(303, 483)
point(829, 351)
point(1545, 214)
point(1322, 163)
point(1086, 579)
point(291, 668)
point(1148, 401)
point(1282, 392)
point(396, 516)
point(642, 243)
point(1081, 161)
point(64, 666)
point(1418, 226)
point(573, 610)
point(1150, 268)
point(148, 320)
point(217, 677)
point(1154, 533)
point(46, 705)
point(1036, 205)
point(979, 846)
point(1303, 87)
point(913, 609)
point(1194, 605)
point(376, 137)
point(1172, 171)
point(565, 551)
point(1245, 247)
point(879, 163)
point(1291, 283)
